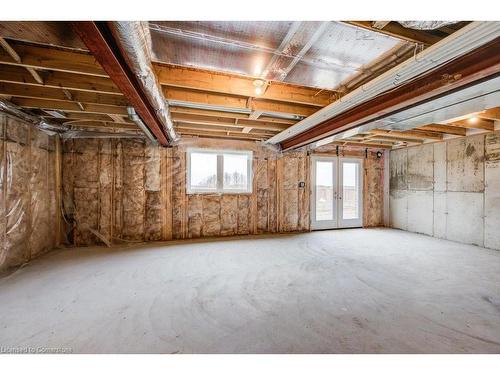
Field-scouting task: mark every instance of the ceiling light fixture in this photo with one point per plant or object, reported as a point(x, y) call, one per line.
point(259, 86)
point(473, 120)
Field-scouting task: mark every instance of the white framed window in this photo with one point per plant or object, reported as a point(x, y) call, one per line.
point(218, 171)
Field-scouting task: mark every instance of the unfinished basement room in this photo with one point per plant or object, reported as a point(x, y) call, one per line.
point(248, 186)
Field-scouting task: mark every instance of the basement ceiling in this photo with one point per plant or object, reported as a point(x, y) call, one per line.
point(315, 54)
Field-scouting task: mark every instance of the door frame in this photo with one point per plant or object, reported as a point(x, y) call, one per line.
point(324, 224)
point(351, 223)
point(337, 222)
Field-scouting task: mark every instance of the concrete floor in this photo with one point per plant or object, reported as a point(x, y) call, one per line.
point(344, 291)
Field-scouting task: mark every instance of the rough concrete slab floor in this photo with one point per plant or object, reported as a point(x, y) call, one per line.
point(344, 291)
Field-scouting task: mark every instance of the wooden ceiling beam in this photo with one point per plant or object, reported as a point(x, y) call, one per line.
point(490, 114)
point(209, 81)
point(232, 115)
point(396, 30)
point(235, 136)
point(70, 81)
point(364, 145)
point(376, 137)
point(446, 129)
point(40, 92)
point(69, 106)
point(214, 121)
point(35, 57)
point(99, 40)
point(14, 56)
point(416, 134)
point(194, 127)
point(475, 124)
point(240, 102)
point(101, 124)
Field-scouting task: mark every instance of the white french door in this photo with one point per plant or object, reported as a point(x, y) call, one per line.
point(337, 188)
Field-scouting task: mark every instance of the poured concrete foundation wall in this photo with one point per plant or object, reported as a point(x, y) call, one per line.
point(28, 204)
point(126, 190)
point(449, 189)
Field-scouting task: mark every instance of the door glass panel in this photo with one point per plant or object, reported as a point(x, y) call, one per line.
point(350, 190)
point(324, 190)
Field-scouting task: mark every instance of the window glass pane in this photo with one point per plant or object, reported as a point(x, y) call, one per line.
point(350, 181)
point(203, 171)
point(235, 171)
point(324, 190)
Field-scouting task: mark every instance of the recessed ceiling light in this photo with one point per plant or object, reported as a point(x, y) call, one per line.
point(473, 120)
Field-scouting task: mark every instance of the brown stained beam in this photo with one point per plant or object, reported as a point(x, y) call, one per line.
point(446, 129)
point(396, 30)
point(101, 44)
point(230, 84)
point(480, 64)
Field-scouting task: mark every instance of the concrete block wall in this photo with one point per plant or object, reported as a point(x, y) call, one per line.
point(449, 190)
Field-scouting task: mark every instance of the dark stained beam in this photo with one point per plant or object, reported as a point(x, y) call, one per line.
point(101, 44)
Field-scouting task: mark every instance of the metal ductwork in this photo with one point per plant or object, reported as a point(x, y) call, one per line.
point(132, 115)
point(133, 40)
point(425, 25)
point(39, 122)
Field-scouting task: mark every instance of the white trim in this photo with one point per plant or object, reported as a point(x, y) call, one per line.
point(337, 221)
point(348, 223)
point(220, 171)
point(324, 224)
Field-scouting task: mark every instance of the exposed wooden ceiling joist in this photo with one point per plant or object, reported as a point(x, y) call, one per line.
point(70, 81)
point(216, 82)
point(416, 134)
point(446, 129)
point(214, 121)
point(53, 59)
point(233, 101)
point(476, 123)
point(69, 106)
point(490, 114)
point(41, 92)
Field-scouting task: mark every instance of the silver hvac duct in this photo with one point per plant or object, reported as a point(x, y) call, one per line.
point(132, 115)
point(39, 122)
point(425, 25)
point(133, 39)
